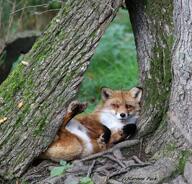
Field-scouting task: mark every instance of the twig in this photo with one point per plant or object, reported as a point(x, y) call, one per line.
point(140, 147)
point(125, 170)
point(106, 167)
point(127, 143)
point(115, 160)
point(51, 10)
point(30, 177)
point(26, 7)
point(140, 165)
point(11, 17)
point(20, 21)
point(112, 181)
point(117, 154)
point(137, 160)
point(116, 173)
point(38, 169)
point(91, 168)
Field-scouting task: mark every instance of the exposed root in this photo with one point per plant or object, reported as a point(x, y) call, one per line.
point(109, 166)
point(124, 144)
point(91, 168)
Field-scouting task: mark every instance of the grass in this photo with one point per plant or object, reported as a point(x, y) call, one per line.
point(114, 64)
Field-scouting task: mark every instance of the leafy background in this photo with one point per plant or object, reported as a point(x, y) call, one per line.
point(114, 64)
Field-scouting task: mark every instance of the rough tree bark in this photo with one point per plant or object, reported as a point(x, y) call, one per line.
point(34, 97)
point(58, 61)
point(163, 38)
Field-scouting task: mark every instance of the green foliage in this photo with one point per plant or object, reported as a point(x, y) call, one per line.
point(114, 63)
point(20, 15)
point(58, 171)
point(182, 160)
point(54, 4)
point(86, 180)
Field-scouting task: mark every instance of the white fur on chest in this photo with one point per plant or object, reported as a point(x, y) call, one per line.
point(111, 121)
point(80, 131)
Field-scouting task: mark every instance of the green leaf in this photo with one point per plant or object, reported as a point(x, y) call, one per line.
point(86, 180)
point(63, 162)
point(57, 171)
point(54, 4)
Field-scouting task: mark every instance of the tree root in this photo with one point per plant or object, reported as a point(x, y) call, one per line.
point(105, 168)
point(124, 144)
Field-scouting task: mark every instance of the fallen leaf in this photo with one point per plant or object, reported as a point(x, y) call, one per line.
point(2, 120)
point(17, 181)
point(57, 20)
point(25, 63)
point(1, 100)
point(20, 104)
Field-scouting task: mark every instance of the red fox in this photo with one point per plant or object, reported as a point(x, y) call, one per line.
point(112, 121)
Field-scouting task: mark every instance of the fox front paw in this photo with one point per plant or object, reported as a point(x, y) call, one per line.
point(104, 138)
point(76, 107)
point(101, 142)
point(129, 129)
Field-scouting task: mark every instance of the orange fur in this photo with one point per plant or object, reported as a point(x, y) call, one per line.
point(70, 146)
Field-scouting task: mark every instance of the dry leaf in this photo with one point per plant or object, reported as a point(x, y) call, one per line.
point(1, 100)
point(17, 182)
point(57, 20)
point(20, 104)
point(2, 120)
point(25, 63)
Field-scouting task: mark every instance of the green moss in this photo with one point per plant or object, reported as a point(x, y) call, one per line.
point(61, 35)
point(40, 49)
point(40, 126)
point(184, 155)
point(66, 9)
point(172, 151)
point(159, 82)
point(169, 150)
point(13, 83)
point(24, 182)
point(54, 4)
point(171, 147)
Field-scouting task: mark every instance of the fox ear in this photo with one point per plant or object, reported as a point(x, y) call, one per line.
point(136, 93)
point(106, 93)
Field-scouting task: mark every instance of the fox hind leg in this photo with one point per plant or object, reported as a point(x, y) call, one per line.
point(66, 147)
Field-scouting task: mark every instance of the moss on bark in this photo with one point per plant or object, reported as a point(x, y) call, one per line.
point(35, 95)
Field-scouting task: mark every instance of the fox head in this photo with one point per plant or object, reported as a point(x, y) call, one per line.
point(122, 105)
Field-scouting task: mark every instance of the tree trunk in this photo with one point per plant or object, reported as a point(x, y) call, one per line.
point(35, 95)
point(153, 30)
point(32, 108)
point(163, 38)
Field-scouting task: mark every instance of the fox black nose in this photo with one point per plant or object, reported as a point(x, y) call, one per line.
point(122, 115)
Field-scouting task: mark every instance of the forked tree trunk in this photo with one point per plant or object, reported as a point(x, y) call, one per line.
point(35, 95)
point(58, 60)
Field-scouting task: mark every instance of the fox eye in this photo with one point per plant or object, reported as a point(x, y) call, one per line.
point(129, 106)
point(115, 105)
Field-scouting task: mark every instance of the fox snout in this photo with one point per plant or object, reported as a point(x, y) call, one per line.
point(122, 115)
